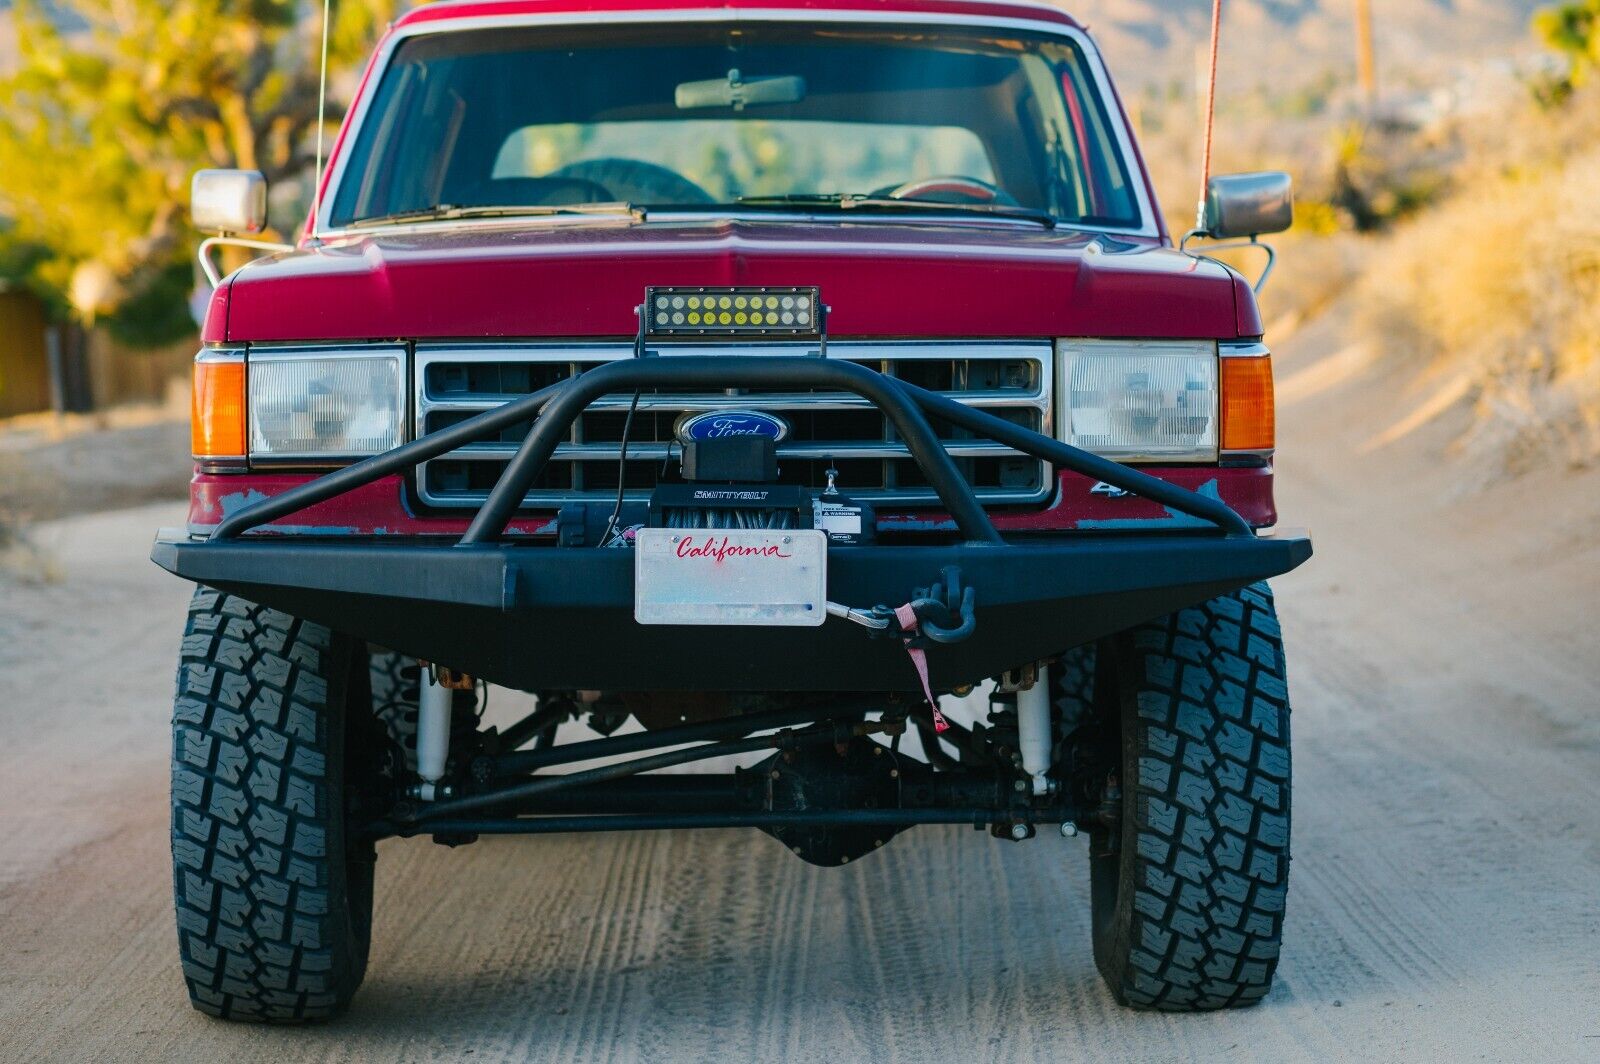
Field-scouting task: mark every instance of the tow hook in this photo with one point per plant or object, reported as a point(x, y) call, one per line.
point(948, 611)
point(945, 613)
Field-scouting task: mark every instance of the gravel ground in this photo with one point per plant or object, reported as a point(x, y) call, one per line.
point(1445, 902)
point(52, 468)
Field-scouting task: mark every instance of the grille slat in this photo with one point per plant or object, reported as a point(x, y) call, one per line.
point(645, 452)
point(1011, 379)
point(721, 401)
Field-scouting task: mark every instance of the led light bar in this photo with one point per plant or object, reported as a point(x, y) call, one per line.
point(733, 313)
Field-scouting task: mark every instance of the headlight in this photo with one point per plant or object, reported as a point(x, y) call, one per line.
point(1140, 401)
point(316, 404)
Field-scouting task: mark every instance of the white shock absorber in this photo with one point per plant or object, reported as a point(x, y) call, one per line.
point(434, 704)
point(1033, 727)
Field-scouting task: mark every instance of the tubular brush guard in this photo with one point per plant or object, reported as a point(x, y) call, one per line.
point(531, 615)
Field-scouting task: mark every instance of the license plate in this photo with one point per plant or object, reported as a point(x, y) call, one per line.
point(730, 577)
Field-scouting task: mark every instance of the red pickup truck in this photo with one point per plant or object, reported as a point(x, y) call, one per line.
point(761, 374)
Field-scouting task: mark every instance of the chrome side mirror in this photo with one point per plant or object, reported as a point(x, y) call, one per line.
point(229, 201)
point(1248, 205)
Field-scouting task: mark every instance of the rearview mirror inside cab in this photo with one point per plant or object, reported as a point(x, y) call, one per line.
point(738, 92)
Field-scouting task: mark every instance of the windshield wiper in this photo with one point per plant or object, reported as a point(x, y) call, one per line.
point(445, 212)
point(849, 201)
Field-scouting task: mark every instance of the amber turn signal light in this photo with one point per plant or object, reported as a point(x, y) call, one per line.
point(217, 418)
point(1249, 414)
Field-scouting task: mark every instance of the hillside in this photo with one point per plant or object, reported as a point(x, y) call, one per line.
point(1287, 41)
point(1295, 40)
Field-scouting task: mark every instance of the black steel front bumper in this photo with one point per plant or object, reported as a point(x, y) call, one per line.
point(562, 618)
point(546, 617)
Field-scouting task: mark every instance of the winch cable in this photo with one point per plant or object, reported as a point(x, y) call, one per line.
point(322, 123)
point(756, 520)
point(622, 470)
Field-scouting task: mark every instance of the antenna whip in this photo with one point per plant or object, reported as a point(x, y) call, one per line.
point(322, 119)
point(1211, 111)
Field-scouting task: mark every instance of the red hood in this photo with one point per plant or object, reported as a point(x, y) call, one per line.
point(583, 279)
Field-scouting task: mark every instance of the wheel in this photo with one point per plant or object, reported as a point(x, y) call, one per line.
point(273, 891)
point(1189, 867)
point(1082, 760)
point(1072, 694)
point(396, 684)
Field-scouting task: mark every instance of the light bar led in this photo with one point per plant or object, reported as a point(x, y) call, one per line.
point(733, 313)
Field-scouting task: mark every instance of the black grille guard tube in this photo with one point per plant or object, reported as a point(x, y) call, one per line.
point(402, 458)
point(554, 408)
point(1080, 461)
point(734, 371)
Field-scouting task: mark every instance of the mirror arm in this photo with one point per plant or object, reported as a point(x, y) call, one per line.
point(210, 268)
point(1253, 242)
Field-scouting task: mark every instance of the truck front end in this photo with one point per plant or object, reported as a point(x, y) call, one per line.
point(764, 376)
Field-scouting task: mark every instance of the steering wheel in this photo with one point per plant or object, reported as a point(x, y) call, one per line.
point(952, 188)
point(536, 192)
point(635, 180)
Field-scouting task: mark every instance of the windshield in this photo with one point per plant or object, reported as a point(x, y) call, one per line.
point(754, 117)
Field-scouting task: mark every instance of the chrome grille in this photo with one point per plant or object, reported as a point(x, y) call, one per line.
point(1013, 380)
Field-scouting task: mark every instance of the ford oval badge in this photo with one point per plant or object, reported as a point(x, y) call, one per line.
point(725, 424)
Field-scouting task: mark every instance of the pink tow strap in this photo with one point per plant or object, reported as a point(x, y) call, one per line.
point(909, 625)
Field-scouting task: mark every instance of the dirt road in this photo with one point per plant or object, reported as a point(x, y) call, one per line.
point(1445, 901)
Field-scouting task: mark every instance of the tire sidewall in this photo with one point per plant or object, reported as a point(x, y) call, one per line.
point(1112, 876)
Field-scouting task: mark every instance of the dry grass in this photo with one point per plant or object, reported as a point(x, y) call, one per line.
point(1501, 284)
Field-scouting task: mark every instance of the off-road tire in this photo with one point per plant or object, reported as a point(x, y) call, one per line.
point(273, 892)
point(1188, 890)
point(1072, 689)
point(396, 688)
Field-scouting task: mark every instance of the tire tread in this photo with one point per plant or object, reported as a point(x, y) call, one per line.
point(1210, 808)
point(263, 926)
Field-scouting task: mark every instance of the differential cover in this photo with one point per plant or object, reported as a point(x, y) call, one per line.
point(859, 774)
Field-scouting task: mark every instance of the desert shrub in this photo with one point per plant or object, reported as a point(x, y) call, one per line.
point(1501, 281)
point(1572, 30)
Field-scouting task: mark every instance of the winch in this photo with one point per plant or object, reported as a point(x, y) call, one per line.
point(731, 481)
